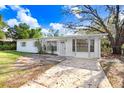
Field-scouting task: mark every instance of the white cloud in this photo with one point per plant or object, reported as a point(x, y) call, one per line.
point(78, 16)
point(24, 15)
point(121, 16)
point(15, 7)
point(61, 28)
point(12, 22)
point(73, 9)
point(45, 31)
point(56, 26)
point(2, 7)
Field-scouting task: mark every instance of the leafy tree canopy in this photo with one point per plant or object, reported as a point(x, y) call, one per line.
point(23, 31)
point(2, 35)
point(92, 19)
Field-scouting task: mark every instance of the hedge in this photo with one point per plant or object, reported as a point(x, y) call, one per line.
point(7, 45)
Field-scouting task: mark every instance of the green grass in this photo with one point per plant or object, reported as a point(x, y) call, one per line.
point(7, 59)
point(13, 76)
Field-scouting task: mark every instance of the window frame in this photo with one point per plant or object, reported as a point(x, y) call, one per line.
point(51, 44)
point(82, 46)
point(23, 44)
point(73, 45)
point(92, 47)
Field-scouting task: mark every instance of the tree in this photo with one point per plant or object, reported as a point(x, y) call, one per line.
point(2, 35)
point(111, 23)
point(23, 31)
point(35, 33)
point(3, 25)
point(53, 32)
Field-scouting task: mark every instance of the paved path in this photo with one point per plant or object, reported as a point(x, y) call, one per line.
point(72, 73)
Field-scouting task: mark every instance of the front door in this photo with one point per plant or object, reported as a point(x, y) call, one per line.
point(62, 48)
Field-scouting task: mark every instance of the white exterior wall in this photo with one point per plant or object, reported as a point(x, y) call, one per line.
point(69, 51)
point(30, 46)
point(97, 48)
point(95, 54)
point(59, 48)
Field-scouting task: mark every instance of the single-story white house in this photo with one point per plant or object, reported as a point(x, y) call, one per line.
point(82, 46)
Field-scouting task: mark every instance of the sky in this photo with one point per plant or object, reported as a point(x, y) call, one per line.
point(44, 16)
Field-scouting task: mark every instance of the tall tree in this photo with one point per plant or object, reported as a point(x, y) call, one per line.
point(3, 25)
point(35, 33)
point(23, 31)
point(111, 23)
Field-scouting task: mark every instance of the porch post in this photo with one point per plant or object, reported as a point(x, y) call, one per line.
point(99, 47)
point(75, 46)
point(89, 48)
point(46, 45)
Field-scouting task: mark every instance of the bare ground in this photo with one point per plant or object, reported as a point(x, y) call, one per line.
point(113, 67)
point(29, 68)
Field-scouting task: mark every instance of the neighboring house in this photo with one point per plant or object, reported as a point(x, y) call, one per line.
point(82, 46)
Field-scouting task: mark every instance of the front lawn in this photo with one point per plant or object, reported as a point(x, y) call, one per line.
point(9, 57)
point(15, 74)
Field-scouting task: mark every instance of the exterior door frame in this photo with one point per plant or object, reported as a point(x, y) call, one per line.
point(62, 48)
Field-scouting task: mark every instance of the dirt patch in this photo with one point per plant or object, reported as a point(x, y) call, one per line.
point(30, 74)
point(114, 70)
point(27, 68)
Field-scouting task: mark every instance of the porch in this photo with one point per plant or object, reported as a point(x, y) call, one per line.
point(82, 47)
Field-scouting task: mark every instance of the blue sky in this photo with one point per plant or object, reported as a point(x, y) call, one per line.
point(44, 16)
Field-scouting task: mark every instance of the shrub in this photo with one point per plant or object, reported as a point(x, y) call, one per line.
point(105, 47)
point(39, 46)
point(7, 45)
point(122, 49)
point(2, 35)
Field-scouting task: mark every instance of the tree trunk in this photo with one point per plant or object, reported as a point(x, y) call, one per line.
point(116, 49)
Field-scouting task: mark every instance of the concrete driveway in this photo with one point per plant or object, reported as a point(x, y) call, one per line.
point(72, 73)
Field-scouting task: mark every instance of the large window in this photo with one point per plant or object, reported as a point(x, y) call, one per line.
point(51, 46)
point(23, 44)
point(91, 45)
point(82, 45)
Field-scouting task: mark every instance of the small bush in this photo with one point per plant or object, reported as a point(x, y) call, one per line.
point(39, 46)
point(122, 49)
point(105, 47)
point(7, 45)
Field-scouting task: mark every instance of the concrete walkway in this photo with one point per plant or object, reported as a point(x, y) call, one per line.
point(72, 73)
